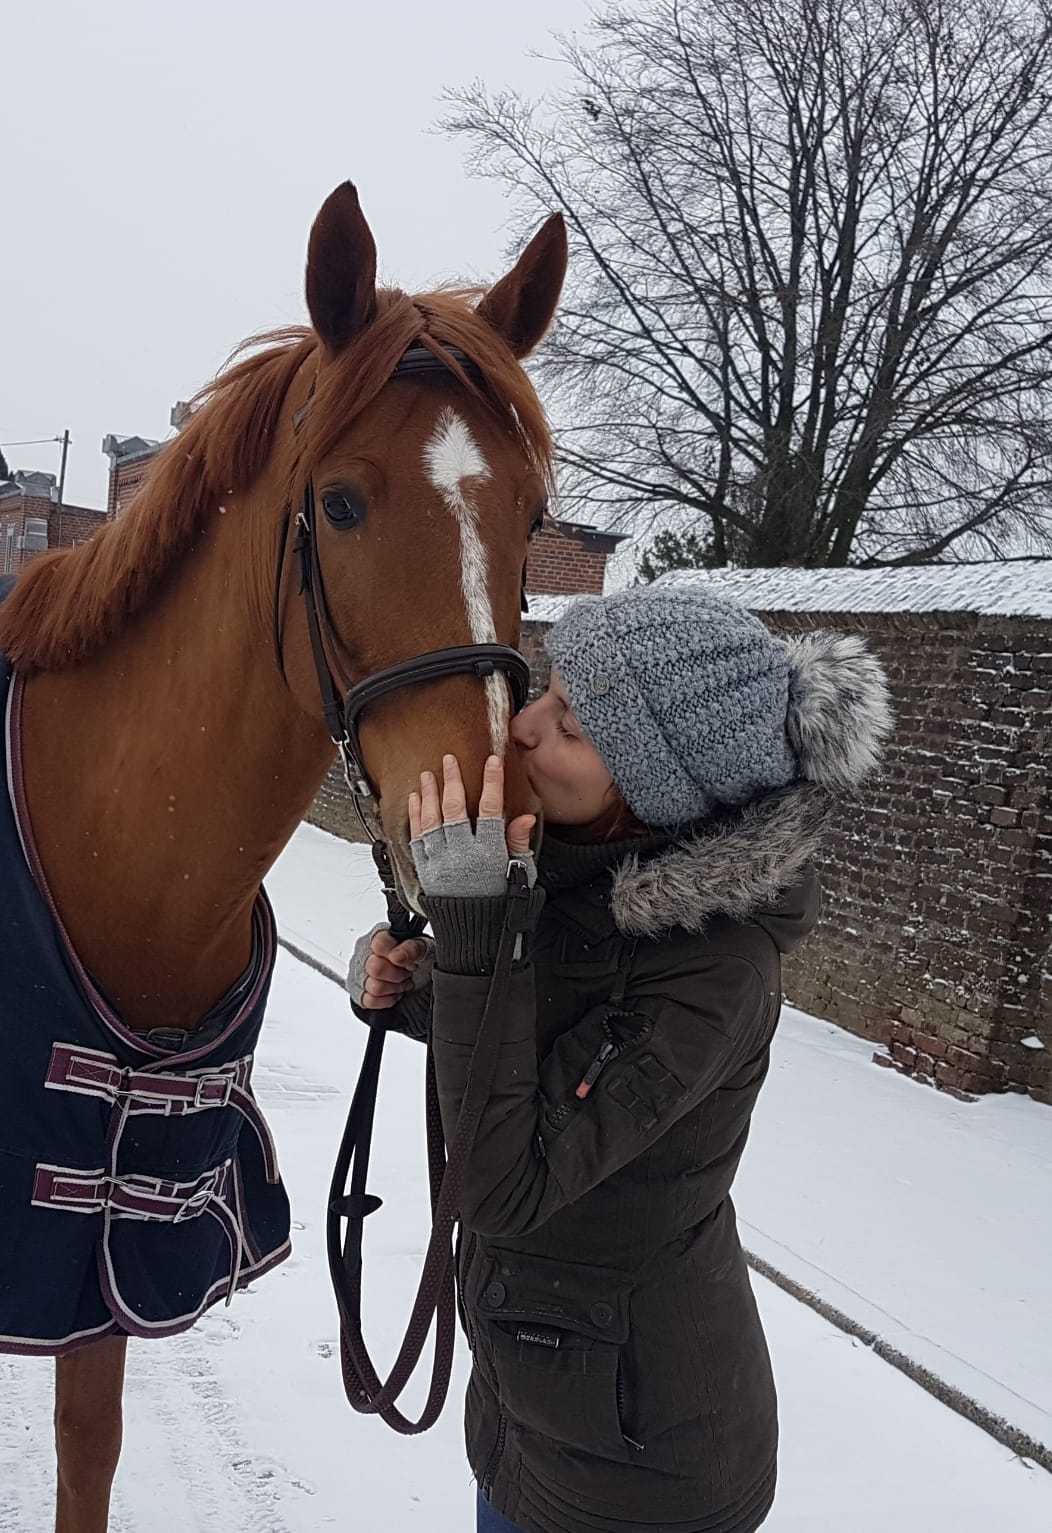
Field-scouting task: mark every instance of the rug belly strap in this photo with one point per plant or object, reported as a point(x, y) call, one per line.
point(92, 1072)
point(146, 1197)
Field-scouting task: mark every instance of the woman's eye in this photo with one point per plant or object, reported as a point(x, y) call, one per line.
point(564, 731)
point(343, 508)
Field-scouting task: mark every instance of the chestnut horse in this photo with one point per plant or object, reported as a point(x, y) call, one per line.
point(165, 698)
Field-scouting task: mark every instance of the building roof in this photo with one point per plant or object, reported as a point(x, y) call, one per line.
point(32, 482)
point(123, 449)
point(992, 589)
point(597, 537)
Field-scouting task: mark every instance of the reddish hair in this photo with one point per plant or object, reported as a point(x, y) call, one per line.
point(614, 822)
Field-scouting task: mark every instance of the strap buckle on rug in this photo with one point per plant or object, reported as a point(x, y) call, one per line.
point(214, 1090)
point(91, 1072)
point(147, 1198)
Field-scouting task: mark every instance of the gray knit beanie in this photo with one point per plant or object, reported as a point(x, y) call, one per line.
point(692, 703)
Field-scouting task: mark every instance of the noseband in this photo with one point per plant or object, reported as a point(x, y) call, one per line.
point(344, 702)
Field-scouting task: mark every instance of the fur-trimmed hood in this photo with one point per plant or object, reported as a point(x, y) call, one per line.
point(740, 866)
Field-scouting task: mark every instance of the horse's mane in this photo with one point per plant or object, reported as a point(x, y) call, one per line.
point(71, 602)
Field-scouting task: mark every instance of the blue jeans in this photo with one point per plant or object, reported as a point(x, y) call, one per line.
point(489, 1520)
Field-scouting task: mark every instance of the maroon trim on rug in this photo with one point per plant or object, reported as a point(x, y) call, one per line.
point(14, 1346)
point(126, 1321)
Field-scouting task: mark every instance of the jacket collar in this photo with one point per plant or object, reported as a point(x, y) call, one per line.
point(735, 864)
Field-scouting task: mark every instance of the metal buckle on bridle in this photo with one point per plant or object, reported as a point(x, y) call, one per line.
point(353, 775)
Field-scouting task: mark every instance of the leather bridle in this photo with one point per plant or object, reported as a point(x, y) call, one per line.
point(343, 704)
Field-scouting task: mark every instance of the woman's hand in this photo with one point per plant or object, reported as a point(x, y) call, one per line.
point(450, 858)
point(383, 971)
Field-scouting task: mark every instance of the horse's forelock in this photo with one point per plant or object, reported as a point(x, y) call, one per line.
point(444, 322)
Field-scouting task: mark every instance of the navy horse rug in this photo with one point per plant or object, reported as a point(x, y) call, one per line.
point(138, 1180)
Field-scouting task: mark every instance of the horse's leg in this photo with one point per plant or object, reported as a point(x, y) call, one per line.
point(88, 1388)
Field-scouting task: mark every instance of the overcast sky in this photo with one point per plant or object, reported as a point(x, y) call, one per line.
point(160, 165)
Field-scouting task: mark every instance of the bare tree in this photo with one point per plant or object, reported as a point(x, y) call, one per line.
point(811, 307)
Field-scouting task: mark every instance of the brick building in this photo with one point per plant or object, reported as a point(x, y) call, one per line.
point(130, 457)
point(32, 520)
point(566, 557)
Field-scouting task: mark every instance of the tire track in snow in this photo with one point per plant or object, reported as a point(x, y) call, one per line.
point(27, 1454)
point(174, 1397)
point(184, 1456)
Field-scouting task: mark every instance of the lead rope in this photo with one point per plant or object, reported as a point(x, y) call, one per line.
point(436, 1291)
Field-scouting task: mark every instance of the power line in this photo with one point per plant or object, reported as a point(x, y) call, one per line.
point(36, 441)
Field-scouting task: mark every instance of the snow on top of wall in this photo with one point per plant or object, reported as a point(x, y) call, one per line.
point(548, 609)
point(994, 589)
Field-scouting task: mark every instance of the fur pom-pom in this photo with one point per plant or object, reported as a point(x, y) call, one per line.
point(839, 710)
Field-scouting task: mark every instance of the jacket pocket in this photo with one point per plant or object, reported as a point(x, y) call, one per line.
point(594, 959)
point(550, 1334)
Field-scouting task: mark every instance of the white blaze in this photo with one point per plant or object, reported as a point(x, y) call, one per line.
point(453, 457)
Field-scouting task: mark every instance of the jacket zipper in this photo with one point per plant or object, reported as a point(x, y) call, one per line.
point(494, 1458)
point(610, 1049)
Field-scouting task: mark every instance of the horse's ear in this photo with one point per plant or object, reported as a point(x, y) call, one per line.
point(341, 269)
point(522, 304)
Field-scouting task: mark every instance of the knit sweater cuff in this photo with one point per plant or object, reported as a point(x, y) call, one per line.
point(467, 931)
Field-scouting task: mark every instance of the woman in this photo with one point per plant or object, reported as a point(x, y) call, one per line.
point(683, 758)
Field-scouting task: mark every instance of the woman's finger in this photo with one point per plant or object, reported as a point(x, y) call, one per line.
point(519, 834)
point(454, 798)
point(383, 943)
point(387, 987)
point(383, 968)
point(430, 808)
point(372, 1002)
point(491, 801)
point(413, 806)
point(408, 953)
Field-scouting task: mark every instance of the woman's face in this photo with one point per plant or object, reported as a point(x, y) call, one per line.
point(564, 768)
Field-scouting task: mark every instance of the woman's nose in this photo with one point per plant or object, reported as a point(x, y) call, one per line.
point(523, 730)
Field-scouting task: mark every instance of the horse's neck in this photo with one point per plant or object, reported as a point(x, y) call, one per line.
point(162, 779)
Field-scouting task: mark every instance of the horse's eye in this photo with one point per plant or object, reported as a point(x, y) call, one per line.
point(537, 523)
point(343, 508)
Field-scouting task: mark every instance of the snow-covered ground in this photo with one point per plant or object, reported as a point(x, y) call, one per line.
point(903, 1208)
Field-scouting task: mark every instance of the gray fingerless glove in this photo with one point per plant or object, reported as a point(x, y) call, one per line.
point(356, 975)
point(458, 862)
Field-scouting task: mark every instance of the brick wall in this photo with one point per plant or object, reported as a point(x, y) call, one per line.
point(76, 525)
point(935, 937)
point(532, 646)
point(125, 479)
point(936, 934)
point(566, 559)
point(333, 811)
